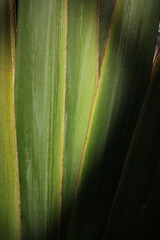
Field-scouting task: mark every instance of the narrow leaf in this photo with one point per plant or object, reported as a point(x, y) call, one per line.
point(125, 74)
point(10, 223)
point(40, 106)
point(140, 167)
point(82, 76)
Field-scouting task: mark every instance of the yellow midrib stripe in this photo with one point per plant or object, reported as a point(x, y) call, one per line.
point(64, 111)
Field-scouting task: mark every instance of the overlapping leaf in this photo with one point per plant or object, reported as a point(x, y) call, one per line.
point(124, 78)
point(53, 104)
point(73, 127)
point(82, 77)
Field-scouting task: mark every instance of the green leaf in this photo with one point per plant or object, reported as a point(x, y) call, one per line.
point(105, 14)
point(10, 223)
point(125, 74)
point(40, 103)
point(53, 105)
point(138, 173)
point(82, 76)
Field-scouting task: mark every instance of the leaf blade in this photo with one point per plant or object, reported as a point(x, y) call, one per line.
point(10, 224)
point(82, 75)
point(119, 92)
point(40, 102)
point(141, 164)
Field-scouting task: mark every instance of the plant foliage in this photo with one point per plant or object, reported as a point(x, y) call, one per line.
point(79, 120)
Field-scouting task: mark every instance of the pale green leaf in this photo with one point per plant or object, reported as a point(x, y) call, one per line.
point(40, 106)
